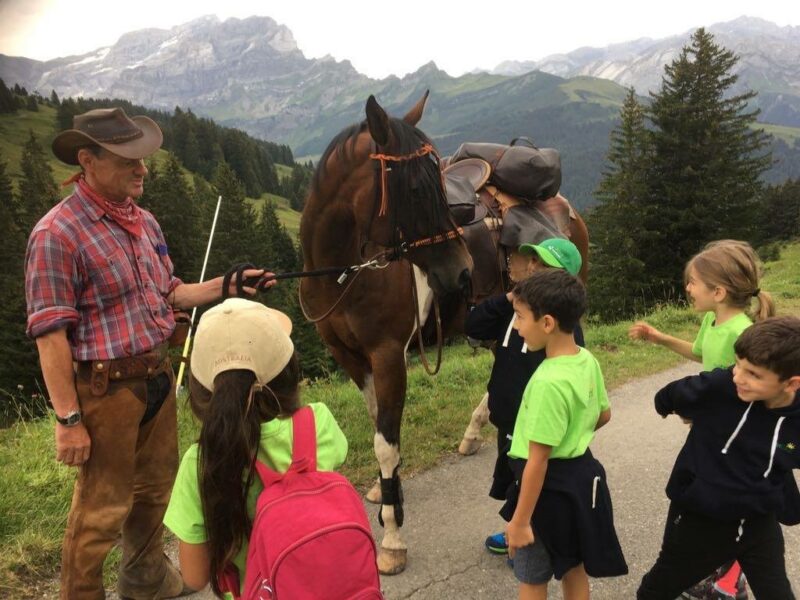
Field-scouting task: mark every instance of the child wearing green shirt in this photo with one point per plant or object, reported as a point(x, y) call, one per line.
point(244, 388)
point(721, 281)
point(561, 523)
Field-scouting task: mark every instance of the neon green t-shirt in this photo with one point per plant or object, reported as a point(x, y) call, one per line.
point(184, 516)
point(714, 343)
point(560, 406)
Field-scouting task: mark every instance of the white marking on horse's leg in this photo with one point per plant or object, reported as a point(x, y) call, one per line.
point(472, 436)
point(425, 303)
point(388, 458)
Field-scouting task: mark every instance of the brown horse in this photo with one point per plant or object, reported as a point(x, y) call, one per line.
point(378, 191)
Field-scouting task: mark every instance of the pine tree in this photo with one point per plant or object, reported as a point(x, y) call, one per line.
point(707, 161)
point(8, 104)
point(615, 223)
point(37, 189)
point(19, 366)
point(780, 212)
point(168, 196)
point(280, 253)
point(235, 236)
point(54, 98)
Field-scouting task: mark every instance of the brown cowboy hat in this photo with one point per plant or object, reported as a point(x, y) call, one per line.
point(109, 128)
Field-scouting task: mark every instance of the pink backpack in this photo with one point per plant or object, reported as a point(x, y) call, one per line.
point(311, 538)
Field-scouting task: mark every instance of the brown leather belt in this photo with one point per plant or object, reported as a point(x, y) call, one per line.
point(144, 366)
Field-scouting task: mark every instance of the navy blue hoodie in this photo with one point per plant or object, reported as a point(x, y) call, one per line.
point(738, 458)
point(493, 319)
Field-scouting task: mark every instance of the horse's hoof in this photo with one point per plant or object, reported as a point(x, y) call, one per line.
point(392, 561)
point(374, 494)
point(469, 446)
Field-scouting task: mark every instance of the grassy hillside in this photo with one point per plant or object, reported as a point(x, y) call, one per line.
point(288, 216)
point(35, 496)
point(15, 130)
point(790, 135)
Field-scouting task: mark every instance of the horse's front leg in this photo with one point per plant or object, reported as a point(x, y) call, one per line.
point(389, 372)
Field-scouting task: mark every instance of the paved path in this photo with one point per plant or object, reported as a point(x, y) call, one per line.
point(448, 513)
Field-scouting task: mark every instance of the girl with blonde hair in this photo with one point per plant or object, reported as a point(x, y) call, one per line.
point(721, 281)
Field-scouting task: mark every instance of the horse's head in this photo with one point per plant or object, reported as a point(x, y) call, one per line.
point(410, 211)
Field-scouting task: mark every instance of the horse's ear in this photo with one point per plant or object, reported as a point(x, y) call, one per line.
point(377, 121)
point(415, 114)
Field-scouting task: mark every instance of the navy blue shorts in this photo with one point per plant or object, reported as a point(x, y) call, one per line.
point(532, 564)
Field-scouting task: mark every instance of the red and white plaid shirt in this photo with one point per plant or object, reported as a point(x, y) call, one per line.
point(107, 287)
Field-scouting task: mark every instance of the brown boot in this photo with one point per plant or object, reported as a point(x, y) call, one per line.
point(172, 586)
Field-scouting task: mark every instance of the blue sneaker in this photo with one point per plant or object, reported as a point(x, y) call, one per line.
point(496, 544)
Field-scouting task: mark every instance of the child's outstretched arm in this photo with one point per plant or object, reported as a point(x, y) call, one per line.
point(519, 532)
point(689, 395)
point(643, 331)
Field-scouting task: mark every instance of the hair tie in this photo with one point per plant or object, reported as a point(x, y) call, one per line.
point(256, 387)
point(756, 292)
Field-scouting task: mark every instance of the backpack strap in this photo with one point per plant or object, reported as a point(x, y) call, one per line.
point(304, 448)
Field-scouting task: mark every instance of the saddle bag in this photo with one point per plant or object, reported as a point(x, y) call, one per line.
point(526, 224)
point(526, 171)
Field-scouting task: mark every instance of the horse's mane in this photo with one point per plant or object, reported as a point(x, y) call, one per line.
point(424, 171)
point(407, 139)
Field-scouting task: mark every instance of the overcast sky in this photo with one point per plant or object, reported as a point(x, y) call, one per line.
point(381, 38)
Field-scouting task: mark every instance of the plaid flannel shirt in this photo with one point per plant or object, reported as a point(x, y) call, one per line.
point(109, 289)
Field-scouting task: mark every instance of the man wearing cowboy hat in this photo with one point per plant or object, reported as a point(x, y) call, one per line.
point(101, 294)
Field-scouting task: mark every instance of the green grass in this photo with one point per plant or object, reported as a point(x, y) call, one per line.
point(287, 215)
point(783, 132)
point(35, 494)
point(14, 133)
point(283, 171)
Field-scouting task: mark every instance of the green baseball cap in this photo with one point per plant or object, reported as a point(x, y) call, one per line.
point(556, 252)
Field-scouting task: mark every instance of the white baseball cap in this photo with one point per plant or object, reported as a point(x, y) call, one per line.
point(241, 334)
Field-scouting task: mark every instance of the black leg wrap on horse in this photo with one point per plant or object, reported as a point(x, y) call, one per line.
point(392, 494)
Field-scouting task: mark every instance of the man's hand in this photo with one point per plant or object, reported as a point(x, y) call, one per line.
point(256, 276)
point(517, 536)
point(73, 444)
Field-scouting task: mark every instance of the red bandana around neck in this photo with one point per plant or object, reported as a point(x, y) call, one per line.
point(126, 214)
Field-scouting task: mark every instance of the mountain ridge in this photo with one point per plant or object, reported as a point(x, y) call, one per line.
point(250, 74)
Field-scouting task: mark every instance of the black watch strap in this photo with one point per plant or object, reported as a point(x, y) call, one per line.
point(71, 419)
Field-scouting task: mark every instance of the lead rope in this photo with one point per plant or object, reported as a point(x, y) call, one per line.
point(417, 319)
point(373, 263)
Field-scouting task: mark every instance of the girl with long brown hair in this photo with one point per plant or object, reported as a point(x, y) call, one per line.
point(244, 387)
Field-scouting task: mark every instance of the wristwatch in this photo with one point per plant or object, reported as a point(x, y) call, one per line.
point(71, 419)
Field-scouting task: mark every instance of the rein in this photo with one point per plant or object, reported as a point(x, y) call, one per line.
point(379, 261)
point(418, 321)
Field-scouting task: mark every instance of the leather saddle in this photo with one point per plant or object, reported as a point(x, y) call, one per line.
point(495, 222)
point(462, 182)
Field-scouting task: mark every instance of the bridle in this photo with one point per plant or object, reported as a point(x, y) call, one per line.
point(399, 247)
